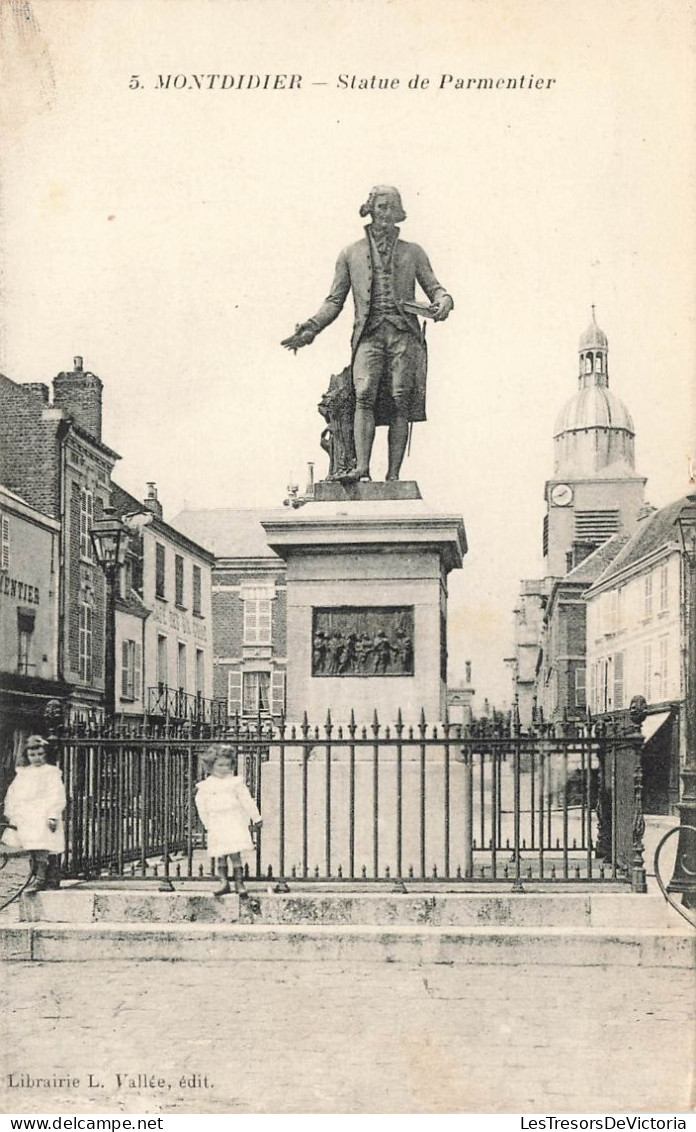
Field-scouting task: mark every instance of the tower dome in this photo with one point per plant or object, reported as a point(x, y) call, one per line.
point(593, 338)
point(594, 432)
point(593, 407)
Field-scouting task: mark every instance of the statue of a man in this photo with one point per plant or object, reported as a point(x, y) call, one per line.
point(388, 350)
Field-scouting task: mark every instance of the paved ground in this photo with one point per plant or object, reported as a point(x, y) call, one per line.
point(340, 1038)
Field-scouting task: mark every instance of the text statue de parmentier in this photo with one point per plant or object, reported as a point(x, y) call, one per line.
point(385, 383)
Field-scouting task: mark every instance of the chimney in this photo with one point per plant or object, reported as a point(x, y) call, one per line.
point(309, 490)
point(78, 394)
point(151, 502)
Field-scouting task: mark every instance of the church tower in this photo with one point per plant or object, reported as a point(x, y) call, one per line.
point(594, 491)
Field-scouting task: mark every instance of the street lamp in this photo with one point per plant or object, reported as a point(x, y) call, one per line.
point(684, 878)
point(109, 538)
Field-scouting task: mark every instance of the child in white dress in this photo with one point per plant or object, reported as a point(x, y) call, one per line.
point(227, 810)
point(34, 805)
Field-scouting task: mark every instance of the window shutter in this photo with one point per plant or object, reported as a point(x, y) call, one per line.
point(618, 680)
point(124, 669)
point(234, 692)
point(277, 691)
point(137, 669)
point(5, 558)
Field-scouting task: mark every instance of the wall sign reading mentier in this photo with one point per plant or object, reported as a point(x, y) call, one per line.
point(20, 590)
point(358, 640)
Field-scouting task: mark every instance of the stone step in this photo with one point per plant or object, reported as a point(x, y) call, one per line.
point(413, 944)
point(602, 910)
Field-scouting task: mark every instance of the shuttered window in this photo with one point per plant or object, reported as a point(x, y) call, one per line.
point(257, 621)
point(160, 570)
point(178, 579)
point(131, 668)
point(85, 643)
point(5, 549)
point(618, 680)
point(86, 523)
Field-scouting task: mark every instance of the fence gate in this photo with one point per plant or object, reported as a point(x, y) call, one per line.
point(355, 803)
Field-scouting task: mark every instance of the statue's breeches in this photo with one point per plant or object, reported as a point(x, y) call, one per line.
point(384, 370)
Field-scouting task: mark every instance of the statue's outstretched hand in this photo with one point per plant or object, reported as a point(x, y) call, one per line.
point(303, 336)
point(442, 308)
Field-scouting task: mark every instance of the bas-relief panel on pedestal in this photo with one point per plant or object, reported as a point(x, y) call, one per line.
point(362, 641)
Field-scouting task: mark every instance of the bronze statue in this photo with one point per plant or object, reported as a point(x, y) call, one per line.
point(388, 347)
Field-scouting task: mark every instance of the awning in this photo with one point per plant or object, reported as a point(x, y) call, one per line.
point(653, 723)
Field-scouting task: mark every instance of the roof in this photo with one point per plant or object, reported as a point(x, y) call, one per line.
point(20, 505)
point(124, 503)
point(596, 563)
point(593, 337)
point(229, 532)
point(593, 407)
point(657, 531)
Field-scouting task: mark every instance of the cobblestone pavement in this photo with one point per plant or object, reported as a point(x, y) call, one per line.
point(347, 1038)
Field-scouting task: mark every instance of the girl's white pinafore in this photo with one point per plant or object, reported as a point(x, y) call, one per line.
point(226, 807)
point(36, 794)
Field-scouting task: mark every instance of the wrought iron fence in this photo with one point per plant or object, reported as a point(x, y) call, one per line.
point(178, 705)
point(406, 802)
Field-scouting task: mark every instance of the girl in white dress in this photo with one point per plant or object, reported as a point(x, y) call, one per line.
point(34, 805)
point(227, 810)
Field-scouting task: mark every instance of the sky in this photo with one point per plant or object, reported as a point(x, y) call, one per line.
point(173, 237)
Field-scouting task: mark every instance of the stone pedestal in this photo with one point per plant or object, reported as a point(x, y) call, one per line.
point(360, 566)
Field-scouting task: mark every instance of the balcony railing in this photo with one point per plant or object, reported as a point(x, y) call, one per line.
point(178, 705)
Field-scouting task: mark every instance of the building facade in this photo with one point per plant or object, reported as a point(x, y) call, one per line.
point(636, 646)
point(53, 457)
point(593, 496)
point(164, 629)
point(249, 609)
point(29, 583)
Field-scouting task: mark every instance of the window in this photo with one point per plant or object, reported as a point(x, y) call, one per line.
point(580, 689)
point(179, 579)
point(130, 670)
point(181, 667)
point(256, 689)
point(5, 551)
point(197, 590)
point(86, 523)
point(601, 685)
point(161, 661)
point(25, 630)
point(200, 672)
point(257, 621)
point(618, 680)
point(647, 595)
point(160, 570)
point(664, 587)
point(85, 643)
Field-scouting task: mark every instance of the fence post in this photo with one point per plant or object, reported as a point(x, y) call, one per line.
point(604, 831)
point(637, 713)
point(53, 716)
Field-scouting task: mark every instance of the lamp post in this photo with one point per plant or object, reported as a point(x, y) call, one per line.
point(108, 536)
point(684, 878)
